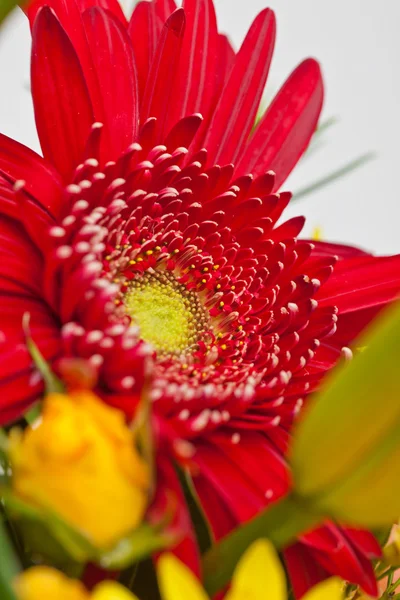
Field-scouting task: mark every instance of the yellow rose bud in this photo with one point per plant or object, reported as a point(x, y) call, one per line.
point(45, 583)
point(42, 583)
point(80, 462)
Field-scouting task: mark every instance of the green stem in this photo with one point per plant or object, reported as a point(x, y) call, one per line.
point(8, 566)
point(281, 524)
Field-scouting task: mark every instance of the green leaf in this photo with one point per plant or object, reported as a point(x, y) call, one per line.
point(46, 533)
point(282, 523)
point(6, 6)
point(197, 515)
point(143, 430)
point(9, 567)
point(346, 447)
point(53, 384)
point(335, 175)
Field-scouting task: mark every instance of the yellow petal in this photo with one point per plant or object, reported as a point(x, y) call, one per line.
point(176, 581)
point(331, 589)
point(40, 583)
point(259, 574)
point(110, 590)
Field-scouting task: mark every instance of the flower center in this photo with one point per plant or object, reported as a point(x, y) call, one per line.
point(170, 317)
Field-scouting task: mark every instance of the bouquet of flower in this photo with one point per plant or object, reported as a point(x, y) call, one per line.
point(192, 399)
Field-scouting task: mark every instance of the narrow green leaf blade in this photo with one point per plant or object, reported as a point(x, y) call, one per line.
point(334, 176)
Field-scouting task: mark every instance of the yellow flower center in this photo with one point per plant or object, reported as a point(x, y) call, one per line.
point(170, 317)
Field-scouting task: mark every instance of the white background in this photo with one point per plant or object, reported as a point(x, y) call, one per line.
point(358, 45)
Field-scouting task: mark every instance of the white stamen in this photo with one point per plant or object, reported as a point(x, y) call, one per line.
point(64, 252)
point(57, 232)
point(127, 382)
point(96, 360)
point(81, 204)
point(82, 247)
point(201, 421)
point(346, 353)
point(225, 415)
point(184, 414)
point(184, 449)
point(70, 220)
point(94, 336)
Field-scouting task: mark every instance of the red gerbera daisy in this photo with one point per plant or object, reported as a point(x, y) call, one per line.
point(149, 230)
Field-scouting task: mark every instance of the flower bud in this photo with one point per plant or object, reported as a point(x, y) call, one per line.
point(346, 448)
point(45, 583)
point(79, 461)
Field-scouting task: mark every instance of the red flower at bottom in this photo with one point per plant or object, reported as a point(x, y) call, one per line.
point(132, 248)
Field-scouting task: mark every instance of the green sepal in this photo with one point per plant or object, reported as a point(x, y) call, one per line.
point(142, 543)
point(49, 536)
point(46, 534)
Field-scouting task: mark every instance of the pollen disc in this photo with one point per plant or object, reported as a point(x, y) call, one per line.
point(170, 317)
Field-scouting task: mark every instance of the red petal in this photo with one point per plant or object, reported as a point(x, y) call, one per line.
point(112, 6)
point(61, 7)
point(182, 134)
point(169, 496)
point(114, 65)
point(239, 492)
point(288, 229)
point(362, 283)
point(69, 14)
point(195, 79)
point(144, 30)
point(364, 541)
point(164, 8)
point(225, 62)
point(62, 106)
point(304, 571)
point(160, 83)
point(287, 126)
point(218, 513)
point(19, 259)
point(236, 111)
point(340, 557)
point(8, 204)
point(342, 251)
point(17, 390)
point(17, 162)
